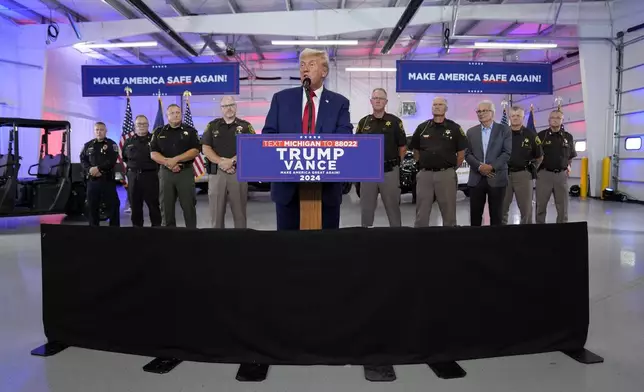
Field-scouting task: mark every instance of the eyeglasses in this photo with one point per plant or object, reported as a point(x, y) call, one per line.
point(483, 111)
point(378, 99)
point(230, 105)
point(142, 124)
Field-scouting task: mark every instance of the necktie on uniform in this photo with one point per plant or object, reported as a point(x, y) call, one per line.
point(305, 118)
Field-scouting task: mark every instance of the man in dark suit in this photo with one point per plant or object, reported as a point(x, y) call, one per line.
point(488, 152)
point(289, 113)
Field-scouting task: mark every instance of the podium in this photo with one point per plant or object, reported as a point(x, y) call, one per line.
point(310, 206)
point(310, 161)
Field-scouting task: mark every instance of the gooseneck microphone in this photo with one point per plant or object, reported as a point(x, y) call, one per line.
point(306, 83)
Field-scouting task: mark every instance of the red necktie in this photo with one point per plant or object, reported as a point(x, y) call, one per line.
point(305, 118)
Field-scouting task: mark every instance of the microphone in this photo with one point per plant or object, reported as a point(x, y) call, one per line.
point(306, 83)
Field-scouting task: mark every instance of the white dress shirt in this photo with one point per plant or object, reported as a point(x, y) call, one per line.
point(316, 101)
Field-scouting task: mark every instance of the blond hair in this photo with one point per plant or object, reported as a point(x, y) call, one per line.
point(320, 54)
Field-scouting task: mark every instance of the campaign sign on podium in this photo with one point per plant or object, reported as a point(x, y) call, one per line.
point(310, 158)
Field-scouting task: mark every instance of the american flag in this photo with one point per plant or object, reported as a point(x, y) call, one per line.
point(198, 166)
point(128, 132)
point(504, 119)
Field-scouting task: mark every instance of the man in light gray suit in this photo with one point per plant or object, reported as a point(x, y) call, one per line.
point(488, 152)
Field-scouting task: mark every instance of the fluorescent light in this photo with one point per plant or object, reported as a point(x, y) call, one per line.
point(358, 69)
point(140, 44)
point(315, 43)
point(513, 45)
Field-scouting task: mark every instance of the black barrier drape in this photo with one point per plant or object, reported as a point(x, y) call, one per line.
point(349, 296)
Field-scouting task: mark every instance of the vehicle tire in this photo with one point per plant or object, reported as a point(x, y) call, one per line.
point(466, 192)
point(358, 189)
point(76, 202)
point(346, 188)
point(202, 187)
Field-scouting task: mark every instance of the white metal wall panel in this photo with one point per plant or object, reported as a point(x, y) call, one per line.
point(631, 163)
point(634, 53)
point(632, 124)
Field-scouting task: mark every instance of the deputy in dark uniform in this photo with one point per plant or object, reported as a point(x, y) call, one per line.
point(175, 146)
point(142, 174)
point(552, 178)
point(439, 148)
point(525, 159)
point(219, 142)
point(98, 158)
point(382, 123)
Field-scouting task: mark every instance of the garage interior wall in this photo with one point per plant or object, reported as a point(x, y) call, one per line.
point(631, 117)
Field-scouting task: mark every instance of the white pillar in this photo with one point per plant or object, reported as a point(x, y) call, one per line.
point(598, 60)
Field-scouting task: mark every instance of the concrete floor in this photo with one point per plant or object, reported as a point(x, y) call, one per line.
point(616, 330)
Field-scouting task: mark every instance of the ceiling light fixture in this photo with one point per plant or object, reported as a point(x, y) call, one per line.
point(359, 69)
point(316, 42)
point(140, 44)
point(513, 45)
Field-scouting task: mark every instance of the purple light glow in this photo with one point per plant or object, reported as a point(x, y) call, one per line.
point(528, 29)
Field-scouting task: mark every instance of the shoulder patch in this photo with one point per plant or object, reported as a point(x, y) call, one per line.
point(461, 130)
point(115, 147)
point(537, 140)
point(250, 129)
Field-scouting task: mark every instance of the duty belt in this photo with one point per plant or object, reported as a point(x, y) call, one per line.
point(554, 170)
point(390, 164)
point(436, 170)
point(140, 170)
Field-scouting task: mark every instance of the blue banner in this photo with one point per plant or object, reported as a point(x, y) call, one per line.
point(170, 79)
point(473, 77)
point(310, 158)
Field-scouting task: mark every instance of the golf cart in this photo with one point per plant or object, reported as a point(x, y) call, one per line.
point(55, 185)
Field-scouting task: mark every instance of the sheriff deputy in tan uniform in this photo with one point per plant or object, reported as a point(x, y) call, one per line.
point(382, 123)
point(220, 148)
point(439, 148)
point(552, 178)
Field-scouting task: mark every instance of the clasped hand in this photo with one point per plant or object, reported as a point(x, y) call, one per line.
point(227, 165)
point(173, 164)
point(95, 172)
point(486, 170)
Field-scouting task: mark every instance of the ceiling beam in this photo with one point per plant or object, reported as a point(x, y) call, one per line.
point(548, 31)
point(18, 8)
point(381, 33)
point(506, 31)
point(64, 10)
point(312, 23)
point(234, 8)
point(41, 19)
point(417, 38)
point(181, 10)
point(334, 49)
point(9, 20)
point(165, 42)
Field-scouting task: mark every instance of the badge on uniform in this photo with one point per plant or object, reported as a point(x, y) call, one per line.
point(185, 133)
point(239, 129)
point(388, 123)
point(104, 149)
point(366, 128)
point(215, 133)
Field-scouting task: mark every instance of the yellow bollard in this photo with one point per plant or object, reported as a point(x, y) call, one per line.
point(605, 175)
point(583, 182)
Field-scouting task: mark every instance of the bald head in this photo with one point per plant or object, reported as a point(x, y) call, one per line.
point(228, 108)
